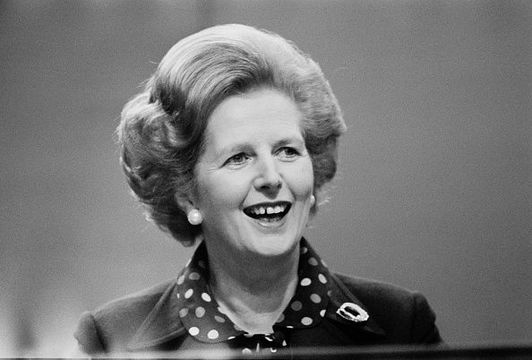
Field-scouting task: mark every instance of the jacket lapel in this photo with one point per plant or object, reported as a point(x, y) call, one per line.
point(341, 295)
point(161, 325)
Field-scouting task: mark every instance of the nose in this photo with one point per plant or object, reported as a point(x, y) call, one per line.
point(268, 178)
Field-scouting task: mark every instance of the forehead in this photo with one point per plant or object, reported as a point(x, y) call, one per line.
point(263, 114)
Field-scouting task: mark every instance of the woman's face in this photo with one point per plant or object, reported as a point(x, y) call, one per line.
point(255, 177)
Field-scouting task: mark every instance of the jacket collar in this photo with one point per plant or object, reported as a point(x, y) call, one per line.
point(163, 323)
point(340, 296)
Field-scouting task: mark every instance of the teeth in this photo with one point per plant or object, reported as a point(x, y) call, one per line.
point(268, 210)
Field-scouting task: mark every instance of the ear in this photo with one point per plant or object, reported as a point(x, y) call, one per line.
point(185, 202)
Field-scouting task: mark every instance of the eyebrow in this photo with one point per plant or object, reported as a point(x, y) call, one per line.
point(290, 140)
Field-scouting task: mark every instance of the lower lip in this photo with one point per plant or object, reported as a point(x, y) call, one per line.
point(271, 225)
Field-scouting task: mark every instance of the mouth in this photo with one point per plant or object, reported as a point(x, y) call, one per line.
point(268, 211)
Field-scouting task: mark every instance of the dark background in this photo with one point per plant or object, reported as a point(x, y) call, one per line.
point(433, 191)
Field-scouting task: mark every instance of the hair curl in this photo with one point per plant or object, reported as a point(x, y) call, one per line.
point(161, 129)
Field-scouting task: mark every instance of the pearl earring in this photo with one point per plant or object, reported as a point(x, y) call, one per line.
point(312, 200)
point(194, 217)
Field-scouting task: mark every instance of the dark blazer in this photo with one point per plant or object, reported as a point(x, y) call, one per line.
point(149, 320)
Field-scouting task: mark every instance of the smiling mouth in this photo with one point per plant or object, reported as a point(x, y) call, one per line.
point(268, 212)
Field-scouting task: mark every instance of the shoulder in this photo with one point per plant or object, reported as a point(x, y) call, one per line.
point(405, 315)
point(111, 325)
point(134, 305)
point(376, 292)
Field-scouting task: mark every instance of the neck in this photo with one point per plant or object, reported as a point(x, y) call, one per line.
point(253, 291)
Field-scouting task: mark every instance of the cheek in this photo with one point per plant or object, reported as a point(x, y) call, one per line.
point(222, 192)
point(302, 179)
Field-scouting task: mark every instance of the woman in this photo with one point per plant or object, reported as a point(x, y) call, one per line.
point(228, 147)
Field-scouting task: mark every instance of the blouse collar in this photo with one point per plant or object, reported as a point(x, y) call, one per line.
point(162, 324)
point(203, 318)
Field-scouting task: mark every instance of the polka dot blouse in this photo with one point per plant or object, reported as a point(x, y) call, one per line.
point(205, 321)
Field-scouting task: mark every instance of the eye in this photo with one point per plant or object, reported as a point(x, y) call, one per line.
point(237, 159)
point(287, 152)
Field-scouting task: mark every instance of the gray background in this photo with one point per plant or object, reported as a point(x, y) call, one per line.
point(433, 191)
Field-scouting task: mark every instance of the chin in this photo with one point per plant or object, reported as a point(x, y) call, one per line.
point(274, 246)
point(276, 238)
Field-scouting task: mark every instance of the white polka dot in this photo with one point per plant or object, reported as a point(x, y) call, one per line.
point(199, 311)
point(289, 327)
point(305, 282)
point(296, 305)
point(194, 276)
point(213, 334)
point(180, 279)
point(322, 278)
point(193, 331)
point(246, 351)
point(231, 337)
point(178, 296)
point(248, 335)
point(312, 261)
point(304, 250)
point(273, 350)
point(329, 293)
point(306, 321)
point(183, 312)
point(322, 313)
point(315, 298)
point(284, 343)
point(189, 293)
point(206, 297)
point(219, 319)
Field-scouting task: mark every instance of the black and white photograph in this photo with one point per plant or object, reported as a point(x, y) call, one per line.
point(298, 179)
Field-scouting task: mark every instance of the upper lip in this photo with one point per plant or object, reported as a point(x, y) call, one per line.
point(265, 208)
